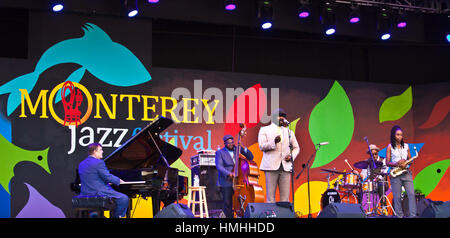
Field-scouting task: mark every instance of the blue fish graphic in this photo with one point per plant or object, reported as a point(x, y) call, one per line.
point(108, 61)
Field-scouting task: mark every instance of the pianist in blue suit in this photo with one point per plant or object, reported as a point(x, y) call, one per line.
point(225, 163)
point(96, 179)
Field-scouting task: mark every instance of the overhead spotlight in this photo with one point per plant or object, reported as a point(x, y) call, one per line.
point(330, 31)
point(230, 5)
point(265, 12)
point(131, 7)
point(385, 36)
point(328, 19)
point(153, 1)
point(133, 13)
point(354, 16)
point(384, 24)
point(303, 10)
point(57, 6)
point(401, 20)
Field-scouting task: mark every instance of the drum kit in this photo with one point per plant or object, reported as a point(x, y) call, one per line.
point(349, 187)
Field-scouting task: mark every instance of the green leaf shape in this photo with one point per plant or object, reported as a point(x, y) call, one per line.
point(395, 107)
point(332, 120)
point(429, 177)
point(12, 155)
point(293, 125)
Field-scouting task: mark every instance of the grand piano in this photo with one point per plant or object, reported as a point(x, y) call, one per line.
point(143, 163)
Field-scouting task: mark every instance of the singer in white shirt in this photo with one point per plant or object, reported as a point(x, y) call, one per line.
point(274, 140)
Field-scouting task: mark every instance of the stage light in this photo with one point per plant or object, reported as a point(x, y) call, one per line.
point(330, 31)
point(328, 19)
point(266, 25)
point(265, 12)
point(384, 24)
point(401, 20)
point(303, 13)
point(448, 37)
point(354, 19)
point(153, 1)
point(401, 23)
point(303, 10)
point(131, 7)
point(230, 5)
point(133, 13)
point(385, 36)
point(57, 6)
point(354, 16)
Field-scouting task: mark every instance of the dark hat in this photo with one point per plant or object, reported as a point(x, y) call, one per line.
point(227, 137)
point(280, 112)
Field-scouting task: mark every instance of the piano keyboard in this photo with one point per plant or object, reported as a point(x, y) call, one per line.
point(132, 182)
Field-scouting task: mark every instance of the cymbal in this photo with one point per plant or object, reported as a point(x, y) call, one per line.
point(361, 165)
point(333, 171)
point(364, 164)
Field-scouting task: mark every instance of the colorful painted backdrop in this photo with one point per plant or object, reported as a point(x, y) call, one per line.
point(120, 92)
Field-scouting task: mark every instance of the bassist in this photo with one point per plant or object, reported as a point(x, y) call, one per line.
point(225, 162)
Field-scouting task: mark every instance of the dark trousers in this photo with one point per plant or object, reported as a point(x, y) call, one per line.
point(227, 196)
point(121, 206)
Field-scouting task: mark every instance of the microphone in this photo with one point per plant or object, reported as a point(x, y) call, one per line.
point(286, 121)
point(323, 143)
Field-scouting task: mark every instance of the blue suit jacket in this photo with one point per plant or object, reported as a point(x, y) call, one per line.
point(225, 164)
point(95, 177)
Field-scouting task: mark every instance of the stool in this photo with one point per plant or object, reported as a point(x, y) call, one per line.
point(201, 202)
point(84, 204)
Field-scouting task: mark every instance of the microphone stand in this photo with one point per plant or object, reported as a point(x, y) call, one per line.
point(370, 152)
point(370, 168)
point(292, 169)
point(307, 172)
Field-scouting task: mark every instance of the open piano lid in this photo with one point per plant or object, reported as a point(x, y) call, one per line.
point(142, 151)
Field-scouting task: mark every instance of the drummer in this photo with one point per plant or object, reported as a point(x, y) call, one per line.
point(379, 178)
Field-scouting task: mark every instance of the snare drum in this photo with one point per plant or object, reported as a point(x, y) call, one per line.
point(351, 180)
point(330, 196)
point(368, 186)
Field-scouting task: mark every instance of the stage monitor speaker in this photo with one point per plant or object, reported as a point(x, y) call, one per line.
point(175, 211)
point(217, 213)
point(342, 210)
point(437, 209)
point(269, 210)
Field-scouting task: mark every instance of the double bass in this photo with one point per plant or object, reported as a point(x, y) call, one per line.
point(245, 180)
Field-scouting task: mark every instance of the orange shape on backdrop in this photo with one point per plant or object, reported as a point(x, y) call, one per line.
point(438, 114)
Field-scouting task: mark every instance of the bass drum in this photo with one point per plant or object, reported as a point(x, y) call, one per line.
point(330, 196)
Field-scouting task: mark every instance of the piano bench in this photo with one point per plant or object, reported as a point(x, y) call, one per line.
point(84, 205)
